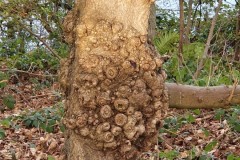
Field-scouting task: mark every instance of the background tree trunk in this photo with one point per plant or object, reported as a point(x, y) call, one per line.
point(152, 22)
point(113, 81)
point(189, 22)
point(181, 33)
point(237, 45)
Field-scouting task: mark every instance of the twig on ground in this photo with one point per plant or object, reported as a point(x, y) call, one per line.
point(30, 73)
point(38, 96)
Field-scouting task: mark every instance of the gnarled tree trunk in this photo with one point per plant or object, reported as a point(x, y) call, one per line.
point(113, 81)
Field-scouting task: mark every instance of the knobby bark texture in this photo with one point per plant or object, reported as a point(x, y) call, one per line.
point(193, 97)
point(113, 81)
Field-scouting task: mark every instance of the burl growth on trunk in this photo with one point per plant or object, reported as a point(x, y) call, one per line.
point(113, 81)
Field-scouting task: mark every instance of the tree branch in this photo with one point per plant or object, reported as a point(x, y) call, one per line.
point(40, 39)
point(193, 97)
point(209, 39)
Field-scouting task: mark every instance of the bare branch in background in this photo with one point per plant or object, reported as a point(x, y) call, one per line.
point(40, 39)
point(207, 46)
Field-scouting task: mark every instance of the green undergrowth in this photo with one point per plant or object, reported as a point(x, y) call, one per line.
point(35, 60)
point(174, 154)
point(173, 124)
point(232, 116)
point(218, 69)
point(47, 119)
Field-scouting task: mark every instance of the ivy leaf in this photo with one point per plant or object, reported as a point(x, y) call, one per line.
point(9, 101)
point(3, 80)
point(219, 114)
point(51, 158)
point(232, 157)
point(6, 123)
point(3, 83)
point(197, 111)
point(2, 133)
point(210, 146)
point(190, 118)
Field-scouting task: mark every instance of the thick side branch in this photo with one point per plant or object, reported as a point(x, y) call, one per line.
point(186, 96)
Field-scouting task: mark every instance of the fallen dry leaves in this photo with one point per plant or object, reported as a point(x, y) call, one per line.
point(35, 144)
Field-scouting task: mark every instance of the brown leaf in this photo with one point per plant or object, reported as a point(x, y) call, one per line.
point(53, 145)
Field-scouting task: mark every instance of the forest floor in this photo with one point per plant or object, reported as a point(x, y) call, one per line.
point(32, 129)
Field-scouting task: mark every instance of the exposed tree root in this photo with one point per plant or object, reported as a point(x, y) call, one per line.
point(192, 97)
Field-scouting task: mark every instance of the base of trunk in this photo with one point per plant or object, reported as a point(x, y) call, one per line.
point(80, 148)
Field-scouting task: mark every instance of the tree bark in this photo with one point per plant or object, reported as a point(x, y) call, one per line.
point(189, 21)
point(152, 22)
point(193, 97)
point(113, 81)
point(181, 33)
point(237, 45)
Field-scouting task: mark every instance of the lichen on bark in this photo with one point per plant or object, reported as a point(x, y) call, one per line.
point(113, 82)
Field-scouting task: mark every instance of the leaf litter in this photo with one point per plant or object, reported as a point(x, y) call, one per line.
point(185, 134)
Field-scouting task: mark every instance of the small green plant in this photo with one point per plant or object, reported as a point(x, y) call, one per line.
point(231, 115)
point(3, 79)
point(51, 158)
point(170, 155)
point(190, 118)
point(166, 41)
point(233, 118)
point(206, 157)
point(233, 157)
point(40, 83)
point(9, 101)
point(197, 111)
point(210, 146)
point(2, 133)
point(216, 70)
point(6, 122)
point(219, 114)
point(46, 119)
point(192, 153)
point(172, 124)
point(38, 59)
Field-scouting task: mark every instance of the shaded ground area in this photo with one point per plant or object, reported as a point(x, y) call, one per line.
point(33, 130)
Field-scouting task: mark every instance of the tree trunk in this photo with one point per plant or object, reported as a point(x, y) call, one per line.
point(237, 45)
point(189, 22)
point(113, 81)
point(181, 33)
point(193, 97)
